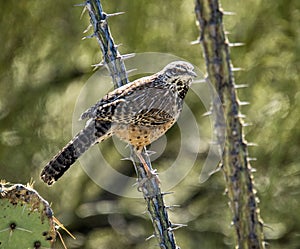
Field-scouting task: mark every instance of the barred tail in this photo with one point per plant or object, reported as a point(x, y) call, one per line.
point(95, 131)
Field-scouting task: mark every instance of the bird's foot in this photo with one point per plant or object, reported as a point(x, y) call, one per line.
point(150, 172)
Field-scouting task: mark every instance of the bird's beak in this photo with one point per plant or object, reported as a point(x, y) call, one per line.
point(192, 73)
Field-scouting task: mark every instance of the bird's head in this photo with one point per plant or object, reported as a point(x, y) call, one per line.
point(180, 74)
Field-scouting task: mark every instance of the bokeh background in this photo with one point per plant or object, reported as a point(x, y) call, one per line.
point(44, 64)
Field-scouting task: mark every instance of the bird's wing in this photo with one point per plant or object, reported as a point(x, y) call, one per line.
point(152, 104)
point(144, 101)
point(102, 109)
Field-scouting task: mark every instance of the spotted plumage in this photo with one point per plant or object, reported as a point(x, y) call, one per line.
point(138, 113)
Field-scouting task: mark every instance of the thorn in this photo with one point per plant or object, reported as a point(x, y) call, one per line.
point(252, 144)
point(100, 64)
point(145, 212)
point(208, 113)
point(251, 159)
point(87, 29)
point(199, 81)
point(268, 226)
point(167, 193)
point(172, 207)
point(241, 86)
point(242, 103)
point(79, 5)
point(118, 45)
point(131, 70)
point(115, 14)
point(150, 237)
point(94, 69)
point(236, 69)
point(216, 170)
point(236, 44)
point(253, 170)
point(227, 32)
point(195, 42)
point(151, 152)
point(126, 159)
point(127, 56)
point(62, 240)
point(60, 225)
point(135, 184)
point(240, 115)
point(88, 37)
point(246, 124)
point(228, 13)
point(154, 172)
point(83, 11)
point(176, 226)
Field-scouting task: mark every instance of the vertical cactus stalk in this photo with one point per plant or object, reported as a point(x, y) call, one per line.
point(111, 56)
point(114, 61)
point(229, 128)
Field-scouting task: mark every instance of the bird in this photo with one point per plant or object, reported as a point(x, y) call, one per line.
point(138, 112)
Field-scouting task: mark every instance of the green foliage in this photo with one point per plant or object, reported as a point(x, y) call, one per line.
point(44, 64)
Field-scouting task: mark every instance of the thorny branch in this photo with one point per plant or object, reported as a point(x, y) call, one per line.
point(114, 61)
point(235, 164)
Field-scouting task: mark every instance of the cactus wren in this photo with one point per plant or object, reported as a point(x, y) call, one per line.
point(139, 113)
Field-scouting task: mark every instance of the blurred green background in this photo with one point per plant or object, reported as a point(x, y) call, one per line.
point(44, 64)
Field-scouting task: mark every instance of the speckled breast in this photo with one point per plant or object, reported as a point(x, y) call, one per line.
point(141, 135)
